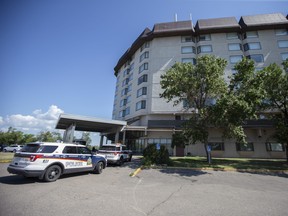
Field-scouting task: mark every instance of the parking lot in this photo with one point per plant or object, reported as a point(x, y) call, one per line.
point(151, 192)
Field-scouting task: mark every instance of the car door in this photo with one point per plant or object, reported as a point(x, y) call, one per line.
point(85, 155)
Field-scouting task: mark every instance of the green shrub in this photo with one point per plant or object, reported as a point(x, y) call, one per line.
point(154, 156)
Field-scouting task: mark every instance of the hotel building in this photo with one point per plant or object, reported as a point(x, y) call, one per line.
point(151, 120)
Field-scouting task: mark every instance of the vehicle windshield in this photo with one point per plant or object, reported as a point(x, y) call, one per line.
point(37, 148)
point(109, 148)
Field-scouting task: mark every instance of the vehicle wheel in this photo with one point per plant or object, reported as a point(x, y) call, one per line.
point(99, 167)
point(14, 151)
point(121, 161)
point(5, 150)
point(52, 173)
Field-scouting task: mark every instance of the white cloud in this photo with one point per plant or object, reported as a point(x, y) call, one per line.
point(36, 122)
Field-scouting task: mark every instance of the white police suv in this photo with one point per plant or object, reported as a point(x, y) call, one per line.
point(48, 161)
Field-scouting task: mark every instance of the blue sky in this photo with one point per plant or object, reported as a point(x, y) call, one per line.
point(58, 55)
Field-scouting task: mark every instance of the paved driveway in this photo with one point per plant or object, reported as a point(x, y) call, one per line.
point(151, 192)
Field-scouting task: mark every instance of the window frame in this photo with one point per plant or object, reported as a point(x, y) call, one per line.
point(235, 44)
point(252, 57)
point(242, 147)
point(141, 105)
point(143, 78)
point(214, 146)
point(285, 42)
point(235, 62)
point(199, 49)
point(187, 52)
point(270, 149)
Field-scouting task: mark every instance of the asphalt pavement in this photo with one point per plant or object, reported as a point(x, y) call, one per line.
point(152, 192)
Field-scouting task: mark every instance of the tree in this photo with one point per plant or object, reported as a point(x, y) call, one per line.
point(275, 85)
point(86, 137)
point(47, 136)
point(197, 85)
point(241, 102)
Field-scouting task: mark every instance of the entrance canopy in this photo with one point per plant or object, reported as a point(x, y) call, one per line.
point(70, 123)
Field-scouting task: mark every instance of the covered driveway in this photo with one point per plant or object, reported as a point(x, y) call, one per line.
point(71, 123)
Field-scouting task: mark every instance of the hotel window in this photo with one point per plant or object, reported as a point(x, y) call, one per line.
point(204, 49)
point(186, 104)
point(251, 34)
point(129, 88)
point(188, 49)
point(142, 91)
point(257, 58)
point(145, 55)
point(125, 82)
point(143, 67)
point(142, 79)
point(280, 32)
point(123, 102)
point(128, 99)
point(235, 59)
point(252, 46)
point(131, 67)
point(234, 47)
point(284, 56)
point(141, 105)
point(122, 113)
point(185, 39)
point(206, 37)
point(124, 91)
point(277, 147)
point(282, 44)
point(145, 45)
point(189, 60)
point(232, 35)
point(216, 146)
point(127, 111)
point(245, 147)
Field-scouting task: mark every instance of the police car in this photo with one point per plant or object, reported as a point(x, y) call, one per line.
point(116, 153)
point(48, 161)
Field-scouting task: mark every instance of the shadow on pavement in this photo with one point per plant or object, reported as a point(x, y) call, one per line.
point(18, 180)
point(183, 172)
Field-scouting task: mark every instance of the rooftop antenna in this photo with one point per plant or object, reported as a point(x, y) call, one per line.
point(175, 17)
point(191, 21)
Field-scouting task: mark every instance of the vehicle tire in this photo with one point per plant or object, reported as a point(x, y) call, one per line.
point(14, 151)
point(99, 167)
point(121, 161)
point(52, 173)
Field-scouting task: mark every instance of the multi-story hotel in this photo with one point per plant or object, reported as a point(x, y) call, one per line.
point(151, 120)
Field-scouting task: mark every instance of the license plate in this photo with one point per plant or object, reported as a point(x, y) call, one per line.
point(20, 161)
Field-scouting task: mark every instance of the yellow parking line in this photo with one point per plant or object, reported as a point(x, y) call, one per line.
point(135, 172)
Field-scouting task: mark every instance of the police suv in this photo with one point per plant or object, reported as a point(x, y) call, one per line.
point(48, 161)
point(116, 153)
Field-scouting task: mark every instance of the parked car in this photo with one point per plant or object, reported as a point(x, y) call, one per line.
point(116, 153)
point(13, 148)
point(48, 161)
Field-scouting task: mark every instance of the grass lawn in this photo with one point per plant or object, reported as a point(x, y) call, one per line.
point(231, 163)
point(6, 157)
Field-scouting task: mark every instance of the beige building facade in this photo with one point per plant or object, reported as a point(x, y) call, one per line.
point(151, 120)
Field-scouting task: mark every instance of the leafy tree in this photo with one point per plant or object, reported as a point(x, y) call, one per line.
point(47, 136)
point(12, 136)
point(196, 85)
point(86, 137)
point(275, 85)
point(179, 140)
point(241, 101)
